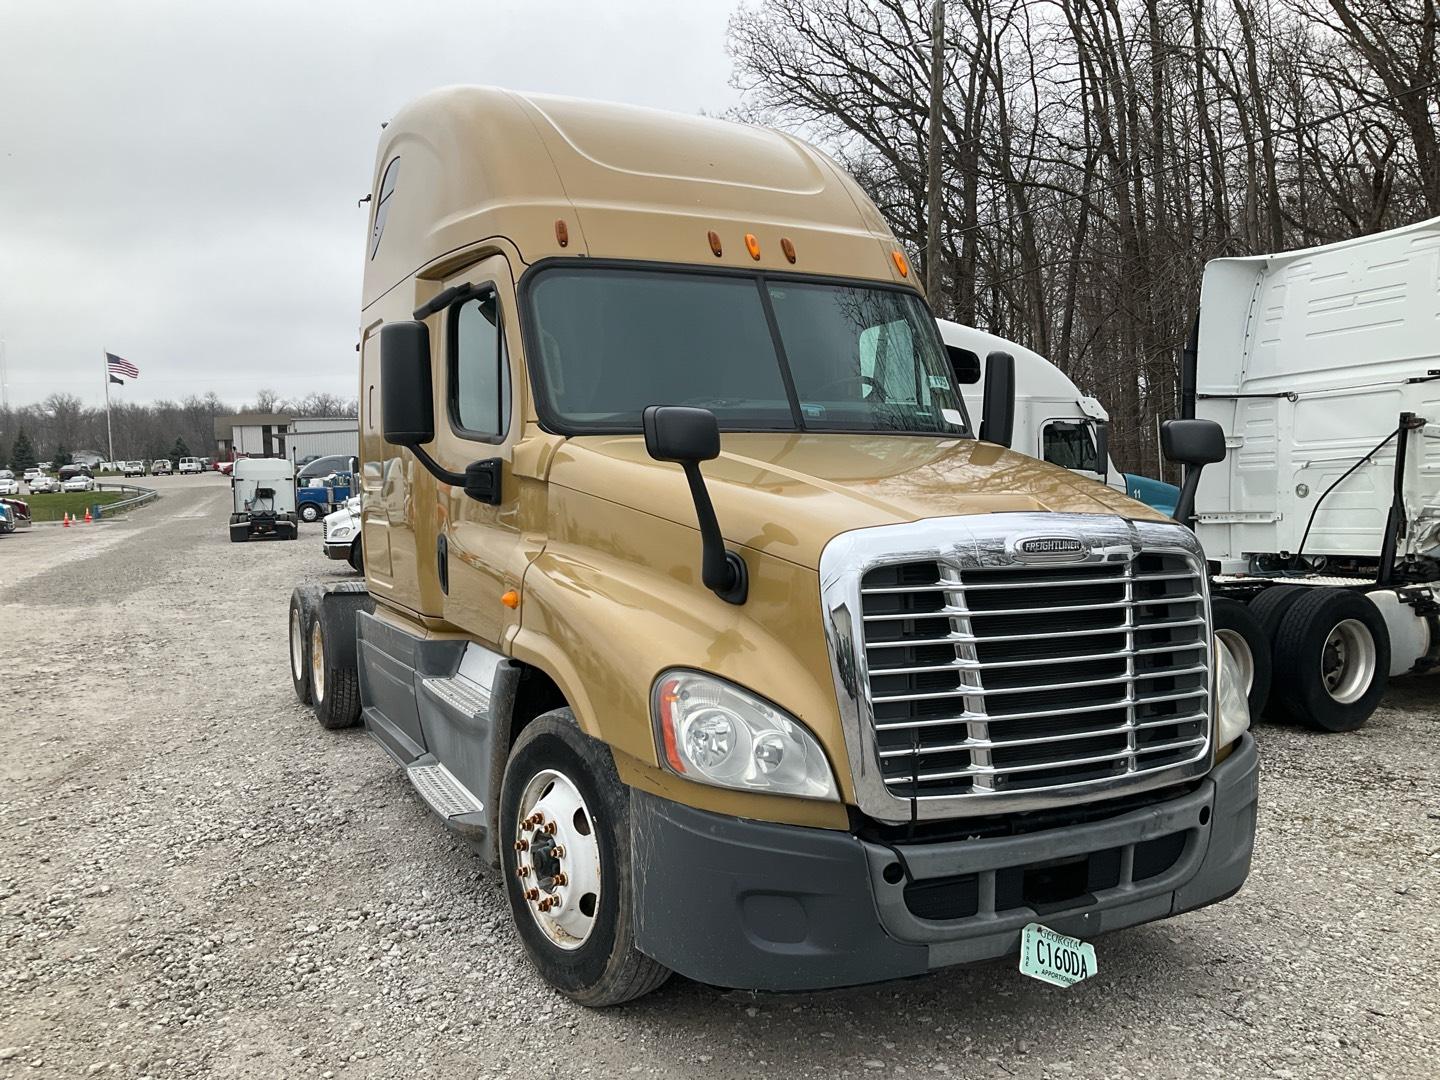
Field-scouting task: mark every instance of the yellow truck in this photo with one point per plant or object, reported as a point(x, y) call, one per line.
point(695, 600)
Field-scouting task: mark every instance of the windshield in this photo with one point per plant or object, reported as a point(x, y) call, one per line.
point(841, 357)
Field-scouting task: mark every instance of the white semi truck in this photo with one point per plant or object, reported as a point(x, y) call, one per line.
point(1323, 368)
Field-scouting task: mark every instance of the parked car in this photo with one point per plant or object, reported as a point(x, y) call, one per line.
point(132, 468)
point(225, 468)
point(323, 466)
point(161, 467)
point(8, 484)
point(191, 465)
point(78, 482)
point(68, 472)
point(47, 466)
point(206, 464)
point(43, 484)
point(31, 474)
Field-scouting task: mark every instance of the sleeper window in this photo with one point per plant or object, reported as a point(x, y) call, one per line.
point(479, 371)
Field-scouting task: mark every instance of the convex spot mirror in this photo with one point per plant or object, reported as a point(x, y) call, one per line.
point(408, 405)
point(1192, 442)
point(680, 433)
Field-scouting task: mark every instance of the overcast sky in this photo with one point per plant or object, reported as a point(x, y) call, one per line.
point(178, 179)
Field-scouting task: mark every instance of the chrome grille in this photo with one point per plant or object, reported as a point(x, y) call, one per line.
point(1013, 677)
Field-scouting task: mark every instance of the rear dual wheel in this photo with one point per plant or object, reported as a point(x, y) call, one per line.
point(1333, 649)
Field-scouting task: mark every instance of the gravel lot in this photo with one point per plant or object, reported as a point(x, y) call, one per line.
point(196, 880)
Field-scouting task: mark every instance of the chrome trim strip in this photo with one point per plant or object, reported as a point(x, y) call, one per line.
point(986, 542)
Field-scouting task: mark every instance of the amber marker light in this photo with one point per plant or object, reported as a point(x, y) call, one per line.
point(510, 598)
point(898, 258)
point(752, 246)
point(715, 244)
point(669, 697)
point(788, 248)
point(562, 232)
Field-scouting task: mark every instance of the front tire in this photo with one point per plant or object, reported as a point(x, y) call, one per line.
point(356, 558)
point(1335, 647)
point(564, 838)
point(309, 512)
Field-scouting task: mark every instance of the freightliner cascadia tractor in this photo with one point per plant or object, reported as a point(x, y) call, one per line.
point(695, 599)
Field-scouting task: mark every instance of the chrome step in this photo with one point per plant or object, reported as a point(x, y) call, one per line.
point(445, 795)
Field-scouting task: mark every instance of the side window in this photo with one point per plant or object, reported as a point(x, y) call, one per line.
point(479, 368)
point(382, 205)
point(1070, 444)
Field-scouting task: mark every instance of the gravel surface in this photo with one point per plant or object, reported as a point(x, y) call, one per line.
point(197, 880)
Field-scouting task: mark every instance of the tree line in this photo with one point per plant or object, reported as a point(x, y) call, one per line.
point(1096, 153)
point(63, 425)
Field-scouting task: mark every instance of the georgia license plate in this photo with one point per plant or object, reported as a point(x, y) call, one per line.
point(1055, 958)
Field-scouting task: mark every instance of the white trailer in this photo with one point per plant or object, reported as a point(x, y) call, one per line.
point(1323, 368)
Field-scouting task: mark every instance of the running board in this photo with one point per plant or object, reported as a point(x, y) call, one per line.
point(446, 796)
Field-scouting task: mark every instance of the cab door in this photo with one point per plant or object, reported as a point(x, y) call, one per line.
point(479, 554)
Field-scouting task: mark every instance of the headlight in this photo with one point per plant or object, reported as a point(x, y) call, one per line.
point(1232, 709)
point(712, 731)
point(342, 533)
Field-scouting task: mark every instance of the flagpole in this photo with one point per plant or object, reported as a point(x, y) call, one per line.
point(109, 432)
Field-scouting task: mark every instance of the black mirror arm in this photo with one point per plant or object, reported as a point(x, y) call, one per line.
point(481, 480)
point(723, 572)
point(1185, 505)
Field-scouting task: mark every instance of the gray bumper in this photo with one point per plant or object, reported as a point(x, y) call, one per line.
point(337, 551)
point(778, 907)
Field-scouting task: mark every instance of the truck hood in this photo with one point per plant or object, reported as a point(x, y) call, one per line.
point(788, 494)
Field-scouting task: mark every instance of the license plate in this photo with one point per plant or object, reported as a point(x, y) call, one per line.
point(1055, 958)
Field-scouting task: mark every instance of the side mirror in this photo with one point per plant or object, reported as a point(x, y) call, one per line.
point(408, 409)
point(406, 389)
point(680, 434)
point(997, 422)
point(1193, 444)
point(1102, 448)
point(687, 437)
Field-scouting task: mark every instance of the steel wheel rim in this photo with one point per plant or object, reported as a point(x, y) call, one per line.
point(317, 662)
point(297, 646)
point(1241, 654)
point(1347, 661)
point(557, 859)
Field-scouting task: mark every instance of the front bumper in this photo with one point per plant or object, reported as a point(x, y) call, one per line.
point(339, 550)
point(762, 906)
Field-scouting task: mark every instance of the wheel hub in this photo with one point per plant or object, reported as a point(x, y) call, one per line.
point(557, 859)
point(297, 645)
point(317, 662)
point(1348, 661)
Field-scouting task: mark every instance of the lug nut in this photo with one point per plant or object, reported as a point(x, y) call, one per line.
point(522, 845)
point(550, 827)
point(546, 904)
point(561, 879)
point(522, 871)
point(558, 851)
point(532, 894)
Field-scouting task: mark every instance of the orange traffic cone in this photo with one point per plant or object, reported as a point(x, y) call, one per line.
point(88, 518)
point(67, 521)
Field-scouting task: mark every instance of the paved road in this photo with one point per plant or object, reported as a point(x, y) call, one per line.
point(196, 880)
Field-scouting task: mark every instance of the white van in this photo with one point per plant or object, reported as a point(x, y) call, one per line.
point(190, 465)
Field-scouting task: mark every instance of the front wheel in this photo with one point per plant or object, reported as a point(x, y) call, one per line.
point(565, 852)
point(309, 512)
point(1239, 632)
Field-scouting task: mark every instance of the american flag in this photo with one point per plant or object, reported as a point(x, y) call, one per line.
point(119, 366)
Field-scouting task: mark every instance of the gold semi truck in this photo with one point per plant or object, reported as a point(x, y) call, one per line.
point(697, 602)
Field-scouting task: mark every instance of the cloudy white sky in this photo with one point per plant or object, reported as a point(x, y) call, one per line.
point(178, 178)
